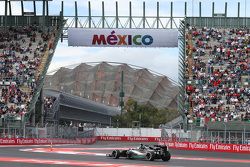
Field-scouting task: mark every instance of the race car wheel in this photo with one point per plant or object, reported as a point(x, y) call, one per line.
point(116, 154)
point(150, 156)
point(166, 156)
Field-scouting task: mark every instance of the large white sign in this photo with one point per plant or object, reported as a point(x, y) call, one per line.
point(123, 37)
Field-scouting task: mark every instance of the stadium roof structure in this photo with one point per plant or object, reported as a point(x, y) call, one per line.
point(101, 82)
point(80, 103)
point(68, 107)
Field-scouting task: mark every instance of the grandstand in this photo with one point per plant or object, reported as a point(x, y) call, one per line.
point(27, 44)
point(23, 49)
point(64, 108)
point(217, 75)
point(22, 52)
point(218, 89)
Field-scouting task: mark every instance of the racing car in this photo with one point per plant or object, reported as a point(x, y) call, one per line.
point(143, 152)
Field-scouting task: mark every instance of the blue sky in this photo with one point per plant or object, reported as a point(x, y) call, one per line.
point(162, 60)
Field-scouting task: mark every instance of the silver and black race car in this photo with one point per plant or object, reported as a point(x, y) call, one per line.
point(143, 152)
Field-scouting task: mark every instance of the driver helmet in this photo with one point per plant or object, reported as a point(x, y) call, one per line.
point(142, 146)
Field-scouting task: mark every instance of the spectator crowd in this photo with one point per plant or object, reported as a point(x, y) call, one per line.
point(21, 52)
point(218, 87)
point(48, 102)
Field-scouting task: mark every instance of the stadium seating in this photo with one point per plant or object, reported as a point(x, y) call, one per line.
point(217, 87)
point(22, 50)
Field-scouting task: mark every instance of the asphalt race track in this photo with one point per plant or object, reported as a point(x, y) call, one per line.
point(94, 155)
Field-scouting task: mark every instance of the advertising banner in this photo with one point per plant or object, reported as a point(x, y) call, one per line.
point(216, 147)
point(129, 138)
point(195, 146)
point(40, 141)
point(123, 37)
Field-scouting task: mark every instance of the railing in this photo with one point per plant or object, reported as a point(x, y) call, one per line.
point(225, 135)
point(87, 133)
point(29, 20)
point(218, 22)
point(42, 75)
point(181, 72)
point(123, 22)
point(52, 113)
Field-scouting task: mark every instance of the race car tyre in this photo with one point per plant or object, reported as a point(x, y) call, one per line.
point(116, 154)
point(166, 156)
point(150, 156)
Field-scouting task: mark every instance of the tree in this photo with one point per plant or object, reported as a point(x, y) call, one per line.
point(148, 115)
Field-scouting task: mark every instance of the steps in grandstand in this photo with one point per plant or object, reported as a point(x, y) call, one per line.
point(45, 57)
point(42, 64)
point(50, 115)
point(25, 89)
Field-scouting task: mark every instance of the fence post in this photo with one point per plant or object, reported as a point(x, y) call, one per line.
point(229, 137)
point(179, 132)
point(225, 132)
point(244, 134)
point(191, 133)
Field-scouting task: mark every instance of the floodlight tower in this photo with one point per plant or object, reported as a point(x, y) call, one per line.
point(121, 94)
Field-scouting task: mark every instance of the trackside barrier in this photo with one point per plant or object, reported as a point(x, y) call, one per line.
point(129, 138)
point(195, 146)
point(215, 147)
point(41, 141)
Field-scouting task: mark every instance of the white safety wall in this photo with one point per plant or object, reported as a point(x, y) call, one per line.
point(144, 132)
point(147, 132)
point(123, 37)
